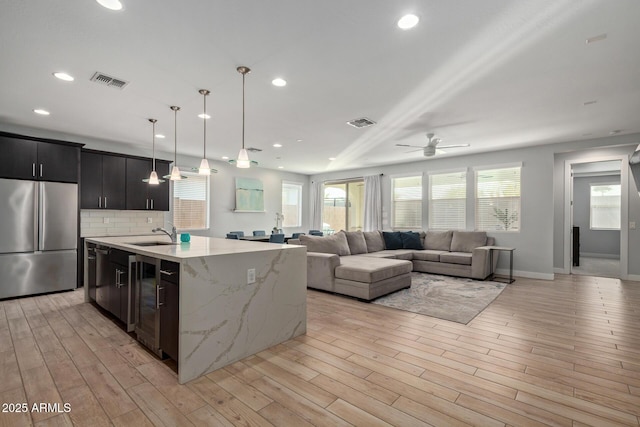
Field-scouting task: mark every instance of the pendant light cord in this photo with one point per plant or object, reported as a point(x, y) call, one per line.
point(175, 136)
point(204, 156)
point(243, 76)
point(153, 144)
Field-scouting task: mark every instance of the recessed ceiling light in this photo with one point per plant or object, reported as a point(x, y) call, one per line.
point(41, 112)
point(204, 116)
point(160, 136)
point(277, 145)
point(298, 140)
point(110, 4)
point(225, 157)
point(280, 167)
point(332, 158)
point(64, 76)
point(597, 38)
point(408, 21)
point(279, 82)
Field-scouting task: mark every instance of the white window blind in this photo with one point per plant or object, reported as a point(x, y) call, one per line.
point(191, 202)
point(407, 203)
point(292, 204)
point(605, 206)
point(447, 201)
point(498, 199)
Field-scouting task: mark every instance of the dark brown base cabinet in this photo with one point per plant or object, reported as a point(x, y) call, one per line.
point(169, 303)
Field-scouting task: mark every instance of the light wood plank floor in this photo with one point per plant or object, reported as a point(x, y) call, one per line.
point(562, 353)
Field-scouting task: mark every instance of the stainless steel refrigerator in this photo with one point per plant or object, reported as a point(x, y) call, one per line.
point(38, 237)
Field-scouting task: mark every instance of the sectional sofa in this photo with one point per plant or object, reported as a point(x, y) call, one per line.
point(367, 265)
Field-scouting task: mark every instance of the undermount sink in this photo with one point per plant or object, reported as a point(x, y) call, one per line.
point(152, 243)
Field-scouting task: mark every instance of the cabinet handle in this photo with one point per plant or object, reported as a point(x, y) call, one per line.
point(33, 169)
point(158, 303)
point(151, 204)
point(40, 170)
point(167, 272)
point(100, 202)
point(91, 258)
point(147, 204)
point(105, 202)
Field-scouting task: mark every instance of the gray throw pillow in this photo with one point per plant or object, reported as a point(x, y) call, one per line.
point(332, 244)
point(467, 241)
point(357, 244)
point(375, 242)
point(438, 240)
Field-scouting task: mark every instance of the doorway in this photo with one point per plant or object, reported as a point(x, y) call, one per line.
point(343, 206)
point(596, 218)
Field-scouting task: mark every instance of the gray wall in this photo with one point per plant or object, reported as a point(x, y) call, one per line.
point(604, 243)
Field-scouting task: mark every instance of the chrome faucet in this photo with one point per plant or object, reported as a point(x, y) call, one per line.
point(173, 235)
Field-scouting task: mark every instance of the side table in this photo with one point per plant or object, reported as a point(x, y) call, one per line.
point(505, 249)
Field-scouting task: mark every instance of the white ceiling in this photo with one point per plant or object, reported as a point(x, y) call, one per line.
point(494, 74)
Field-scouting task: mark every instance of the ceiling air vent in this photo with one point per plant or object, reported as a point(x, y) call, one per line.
point(361, 123)
point(106, 80)
point(254, 150)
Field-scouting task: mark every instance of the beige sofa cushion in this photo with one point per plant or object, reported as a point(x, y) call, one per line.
point(428, 255)
point(333, 244)
point(463, 258)
point(374, 240)
point(467, 241)
point(438, 240)
point(357, 244)
point(371, 270)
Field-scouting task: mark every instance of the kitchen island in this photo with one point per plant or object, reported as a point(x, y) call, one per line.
point(236, 298)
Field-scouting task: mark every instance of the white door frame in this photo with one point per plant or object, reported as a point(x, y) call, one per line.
point(624, 210)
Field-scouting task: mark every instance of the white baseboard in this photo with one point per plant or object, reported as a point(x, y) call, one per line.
point(560, 271)
point(595, 255)
point(526, 274)
point(633, 277)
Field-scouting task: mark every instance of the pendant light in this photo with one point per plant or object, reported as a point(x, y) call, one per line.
point(204, 164)
point(153, 177)
point(175, 171)
point(243, 156)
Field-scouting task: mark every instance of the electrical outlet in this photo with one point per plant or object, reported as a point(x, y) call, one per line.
point(251, 276)
point(106, 220)
point(149, 220)
point(632, 225)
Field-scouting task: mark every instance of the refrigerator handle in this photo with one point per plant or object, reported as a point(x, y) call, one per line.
point(41, 215)
point(36, 212)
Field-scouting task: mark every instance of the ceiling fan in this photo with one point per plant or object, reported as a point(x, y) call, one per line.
point(431, 149)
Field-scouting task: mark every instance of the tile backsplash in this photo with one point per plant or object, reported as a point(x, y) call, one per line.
point(103, 222)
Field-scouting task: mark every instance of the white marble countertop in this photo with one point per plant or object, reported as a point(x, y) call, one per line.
point(197, 247)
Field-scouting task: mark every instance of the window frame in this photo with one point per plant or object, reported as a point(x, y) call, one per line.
point(464, 200)
point(207, 194)
point(393, 201)
point(299, 187)
point(477, 219)
point(603, 184)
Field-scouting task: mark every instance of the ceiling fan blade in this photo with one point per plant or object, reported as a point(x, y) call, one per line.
point(407, 145)
point(413, 151)
point(454, 146)
point(439, 151)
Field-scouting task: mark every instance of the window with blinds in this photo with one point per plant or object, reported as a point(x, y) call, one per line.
point(292, 204)
point(191, 202)
point(407, 203)
point(448, 201)
point(498, 199)
point(605, 206)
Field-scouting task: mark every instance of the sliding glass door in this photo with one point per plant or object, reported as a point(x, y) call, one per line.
point(343, 206)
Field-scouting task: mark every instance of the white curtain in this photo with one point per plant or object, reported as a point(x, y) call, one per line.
point(317, 197)
point(372, 203)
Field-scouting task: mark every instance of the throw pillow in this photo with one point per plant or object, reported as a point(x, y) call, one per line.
point(392, 239)
point(332, 244)
point(438, 240)
point(357, 244)
point(411, 240)
point(375, 242)
point(467, 241)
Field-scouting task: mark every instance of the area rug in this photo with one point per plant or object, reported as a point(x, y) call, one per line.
point(448, 298)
